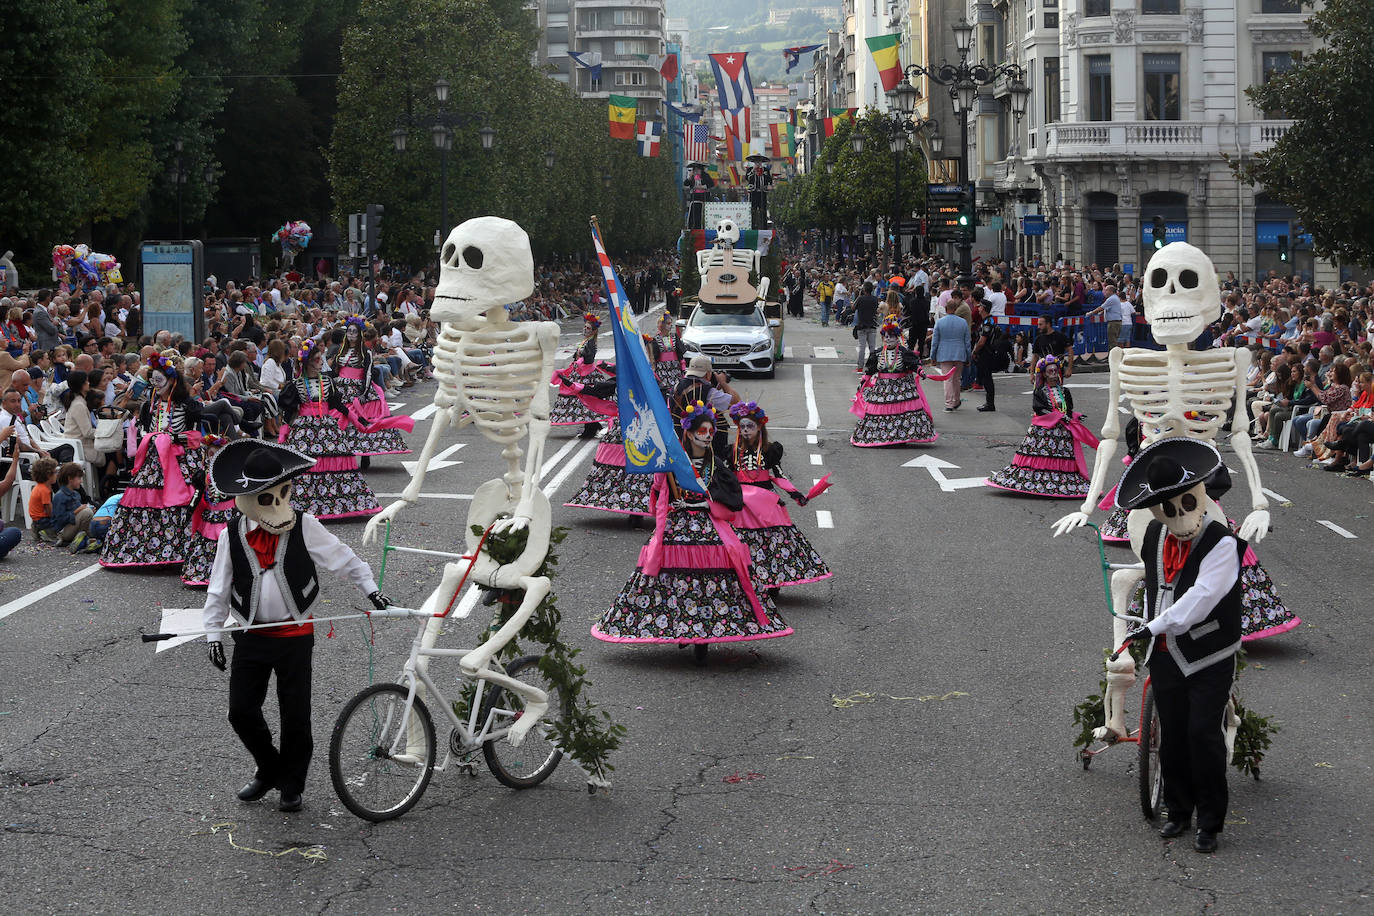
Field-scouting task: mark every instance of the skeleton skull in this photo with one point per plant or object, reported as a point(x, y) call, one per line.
point(727, 231)
point(271, 508)
point(1184, 514)
point(486, 262)
point(158, 381)
point(1181, 293)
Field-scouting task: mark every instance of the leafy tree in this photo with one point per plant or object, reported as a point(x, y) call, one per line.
point(1323, 166)
point(866, 179)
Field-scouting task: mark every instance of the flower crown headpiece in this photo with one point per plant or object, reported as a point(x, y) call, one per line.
point(697, 413)
point(748, 410)
point(357, 321)
point(592, 320)
point(308, 349)
point(890, 327)
point(163, 364)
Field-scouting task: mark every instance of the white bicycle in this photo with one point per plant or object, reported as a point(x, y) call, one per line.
point(383, 750)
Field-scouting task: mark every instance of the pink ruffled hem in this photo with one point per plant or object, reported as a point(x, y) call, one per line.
point(131, 565)
point(400, 451)
point(195, 583)
point(862, 408)
point(145, 498)
point(894, 442)
point(998, 486)
point(1272, 631)
point(803, 581)
point(358, 514)
point(329, 464)
point(1041, 463)
point(688, 642)
point(604, 509)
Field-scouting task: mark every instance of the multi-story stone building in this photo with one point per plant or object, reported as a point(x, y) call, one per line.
point(624, 32)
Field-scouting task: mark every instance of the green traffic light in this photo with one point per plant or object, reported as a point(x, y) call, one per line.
point(1158, 244)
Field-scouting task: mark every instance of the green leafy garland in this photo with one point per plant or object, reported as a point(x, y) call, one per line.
point(583, 732)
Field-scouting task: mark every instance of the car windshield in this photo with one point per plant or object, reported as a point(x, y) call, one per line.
point(704, 319)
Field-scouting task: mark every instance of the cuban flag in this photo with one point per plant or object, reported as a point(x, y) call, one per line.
point(647, 135)
point(732, 80)
point(652, 445)
point(793, 55)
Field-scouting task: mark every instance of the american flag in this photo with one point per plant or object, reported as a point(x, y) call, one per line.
point(696, 142)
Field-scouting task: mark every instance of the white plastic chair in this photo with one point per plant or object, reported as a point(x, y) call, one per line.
point(1286, 435)
point(17, 499)
point(48, 442)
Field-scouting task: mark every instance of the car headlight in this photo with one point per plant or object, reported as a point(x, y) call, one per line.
point(762, 346)
point(688, 345)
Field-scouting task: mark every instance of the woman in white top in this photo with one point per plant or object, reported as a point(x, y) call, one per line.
point(273, 376)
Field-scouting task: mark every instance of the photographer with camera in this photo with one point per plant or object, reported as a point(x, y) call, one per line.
point(702, 383)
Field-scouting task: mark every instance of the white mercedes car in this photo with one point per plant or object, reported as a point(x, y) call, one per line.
point(737, 340)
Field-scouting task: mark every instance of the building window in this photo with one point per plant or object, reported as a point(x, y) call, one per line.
point(1162, 102)
point(1159, 6)
point(1097, 8)
point(1052, 90)
point(1280, 6)
point(633, 46)
point(629, 17)
point(629, 78)
point(1272, 64)
point(1099, 87)
point(1051, 20)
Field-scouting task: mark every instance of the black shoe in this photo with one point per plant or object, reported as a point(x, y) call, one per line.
point(1205, 841)
point(254, 790)
point(987, 408)
point(290, 802)
point(949, 410)
point(1173, 829)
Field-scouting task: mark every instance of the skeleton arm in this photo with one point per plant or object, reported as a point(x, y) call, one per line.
point(539, 421)
point(1256, 524)
point(1106, 451)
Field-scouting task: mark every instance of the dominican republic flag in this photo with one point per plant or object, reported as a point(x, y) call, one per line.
point(588, 60)
point(793, 55)
point(732, 80)
point(696, 142)
point(647, 135)
point(652, 445)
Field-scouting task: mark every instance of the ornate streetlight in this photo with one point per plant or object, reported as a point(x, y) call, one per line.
point(900, 128)
point(441, 126)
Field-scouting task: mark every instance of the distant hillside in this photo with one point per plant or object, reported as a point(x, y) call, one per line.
point(747, 29)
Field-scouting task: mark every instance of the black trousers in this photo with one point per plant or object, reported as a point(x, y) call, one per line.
point(1192, 748)
point(985, 379)
point(256, 659)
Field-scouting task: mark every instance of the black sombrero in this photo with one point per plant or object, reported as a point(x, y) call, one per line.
point(1167, 467)
point(247, 466)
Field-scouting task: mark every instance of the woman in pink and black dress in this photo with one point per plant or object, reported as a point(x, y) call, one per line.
point(781, 554)
point(668, 354)
point(1050, 460)
point(379, 433)
point(692, 584)
point(890, 404)
point(574, 405)
point(314, 422)
point(151, 527)
point(608, 486)
point(210, 514)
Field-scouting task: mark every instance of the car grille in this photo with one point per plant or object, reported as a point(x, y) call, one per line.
point(728, 351)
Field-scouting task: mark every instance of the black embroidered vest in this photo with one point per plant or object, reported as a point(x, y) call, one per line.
point(1218, 636)
point(294, 572)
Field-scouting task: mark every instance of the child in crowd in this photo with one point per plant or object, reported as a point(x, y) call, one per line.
point(44, 475)
point(69, 509)
point(100, 523)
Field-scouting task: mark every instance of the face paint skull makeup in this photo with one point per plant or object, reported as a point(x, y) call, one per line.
point(703, 434)
point(748, 430)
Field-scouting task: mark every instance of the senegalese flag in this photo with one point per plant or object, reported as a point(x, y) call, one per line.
point(884, 50)
point(623, 109)
point(781, 136)
point(652, 445)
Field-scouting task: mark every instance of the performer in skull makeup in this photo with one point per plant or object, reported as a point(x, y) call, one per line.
point(692, 584)
point(151, 527)
point(1049, 461)
point(668, 354)
point(1193, 605)
point(781, 554)
point(608, 487)
point(890, 404)
point(266, 571)
point(575, 405)
point(210, 512)
point(314, 423)
point(379, 433)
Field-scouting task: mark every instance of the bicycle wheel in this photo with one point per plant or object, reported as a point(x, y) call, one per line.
point(531, 763)
point(1147, 760)
point(381, 757)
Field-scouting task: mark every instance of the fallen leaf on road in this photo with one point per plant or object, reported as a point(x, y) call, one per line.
point(1324, 765)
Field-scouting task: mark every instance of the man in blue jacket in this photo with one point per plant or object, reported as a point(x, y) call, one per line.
point(950, 346)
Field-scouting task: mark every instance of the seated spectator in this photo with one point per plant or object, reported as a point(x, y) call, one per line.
point(1334, 397)
point(71, 514)
point(1333, 459)
point(44, 475)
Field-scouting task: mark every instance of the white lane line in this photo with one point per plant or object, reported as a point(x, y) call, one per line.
point(786, 352)
point(569, 467)
point(396, 406)
point(813, 440)
point(825, 353)
point(426, 495)
point(557, 457)
point(18, 604)
point(824, 519)
point(1321, 521)
point(424, 413)
point(816, 459)
point(813, 414)
point(1275, 496)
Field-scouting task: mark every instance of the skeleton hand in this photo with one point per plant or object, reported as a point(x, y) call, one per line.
point(516, 522)
point(375, 523)
point(1255, 526)
point(215, 652)
point(1070, 522)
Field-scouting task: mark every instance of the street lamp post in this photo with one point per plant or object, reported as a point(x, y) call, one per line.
point(900, 128)
point(180, 177)
point(441, 126)
point(964, 80)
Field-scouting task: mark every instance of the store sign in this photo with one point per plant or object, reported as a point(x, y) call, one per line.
point(1033, 225)
point(1173, 232)
point(717, 210)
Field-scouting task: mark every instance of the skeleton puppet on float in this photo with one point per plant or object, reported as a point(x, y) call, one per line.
point(1174, 392)
point(493, 373)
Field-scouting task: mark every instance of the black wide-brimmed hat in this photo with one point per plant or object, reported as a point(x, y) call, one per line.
point(247, 466)
point(1167, 467)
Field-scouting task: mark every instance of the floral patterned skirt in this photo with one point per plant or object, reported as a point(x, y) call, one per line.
point(1114, 528)
point(668, 373)
point(333, 488)
point(200, 550)
point(781, 555)
point(144, 533)
point(607, 486)
point(568, 410)
point(892, 414)
point(1044, 465)
point(372, 407)
point(1262, 611)
point(703, 603)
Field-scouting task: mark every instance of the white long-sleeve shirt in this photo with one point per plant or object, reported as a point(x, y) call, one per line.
point(329, 553)
point(1215, 576)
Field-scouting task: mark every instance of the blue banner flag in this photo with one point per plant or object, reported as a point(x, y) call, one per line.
point(652, 445)
point(793, 55)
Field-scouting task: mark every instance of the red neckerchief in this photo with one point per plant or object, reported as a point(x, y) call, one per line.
point(1175, 554)
point(264, 544)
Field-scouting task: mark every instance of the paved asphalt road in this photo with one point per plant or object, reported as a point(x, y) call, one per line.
point(907, 750)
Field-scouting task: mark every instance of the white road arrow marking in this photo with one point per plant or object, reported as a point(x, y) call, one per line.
point(176, 619)
point(937, 468)
point(1272, 495)
point(1337, 528)
point(424, 413)
point(825, 353)
point(437, 463)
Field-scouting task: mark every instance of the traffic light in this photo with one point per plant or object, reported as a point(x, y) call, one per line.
point(373, 229)
point(966, 219)
point(1283, 248)
point(1159, 232)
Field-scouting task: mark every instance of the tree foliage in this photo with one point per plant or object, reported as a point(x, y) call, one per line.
point(1323, 166)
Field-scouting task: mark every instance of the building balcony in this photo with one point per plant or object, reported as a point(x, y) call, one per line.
point(620, 5)
point(647, 32)
point(1152, 139)
point(637, 92)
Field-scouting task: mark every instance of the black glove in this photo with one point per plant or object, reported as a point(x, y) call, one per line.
point(379, 601)
point(215, 650)
point(1140, 632)
point(801, 499)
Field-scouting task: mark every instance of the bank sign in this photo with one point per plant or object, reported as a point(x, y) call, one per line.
point(1173, 232)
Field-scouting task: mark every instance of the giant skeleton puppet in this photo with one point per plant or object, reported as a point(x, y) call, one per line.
point(493, 373)
point(1174, 392)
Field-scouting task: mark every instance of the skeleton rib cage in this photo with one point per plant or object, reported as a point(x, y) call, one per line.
point(492, 374)
point(1196, 407)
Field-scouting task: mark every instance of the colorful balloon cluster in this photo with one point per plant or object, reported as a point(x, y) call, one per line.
point(84, 269)
point(293, 236)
